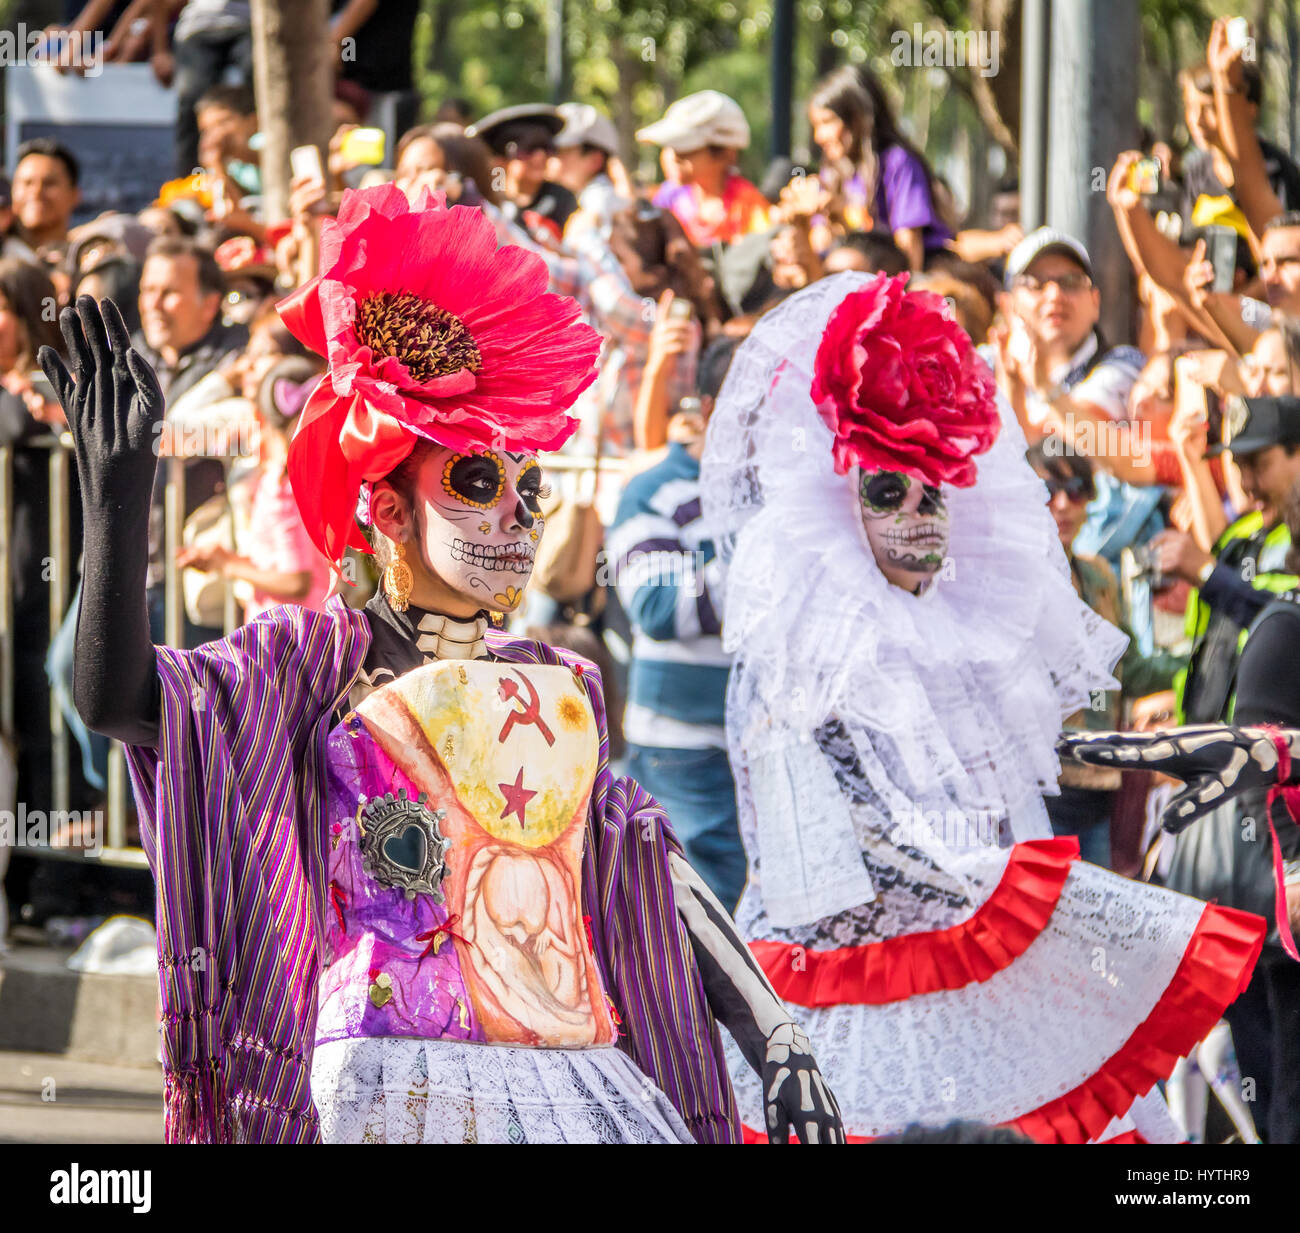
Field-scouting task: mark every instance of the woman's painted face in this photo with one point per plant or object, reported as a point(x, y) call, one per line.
point(479, 517)
point(906, 523)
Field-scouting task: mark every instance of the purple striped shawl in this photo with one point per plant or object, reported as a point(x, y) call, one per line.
point(231, 807)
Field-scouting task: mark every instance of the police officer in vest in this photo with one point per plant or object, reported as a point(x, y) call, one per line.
point(1227, 856)
point(1246, 569)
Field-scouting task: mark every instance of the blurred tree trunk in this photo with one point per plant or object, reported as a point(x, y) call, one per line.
point(1293, 70)
point(293, 74)
point(629, 75)
point(1160, 59)
point(996, 98)
point(980, 181)
point(444, 13)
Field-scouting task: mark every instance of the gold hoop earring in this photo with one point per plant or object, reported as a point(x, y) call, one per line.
point(398, 581)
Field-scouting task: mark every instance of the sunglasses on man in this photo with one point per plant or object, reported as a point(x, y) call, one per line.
point(1068, 284)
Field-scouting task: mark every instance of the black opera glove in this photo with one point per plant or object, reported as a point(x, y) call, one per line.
point(1215, 761)
point(794, 1093)
point(114, 409)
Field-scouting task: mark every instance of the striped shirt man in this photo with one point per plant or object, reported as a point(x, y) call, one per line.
point(666, 574)
point(668, 582)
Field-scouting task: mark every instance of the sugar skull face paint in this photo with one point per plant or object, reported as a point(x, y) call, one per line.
point(906, 523)
point(481, 522)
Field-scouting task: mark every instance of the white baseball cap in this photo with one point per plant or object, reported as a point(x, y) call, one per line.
point(1045, 240)
point(585, 126)
point(707, 118)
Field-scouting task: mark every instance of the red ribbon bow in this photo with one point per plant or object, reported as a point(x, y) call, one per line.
point(431, 936)
point(338, 901)
point(1289, 795)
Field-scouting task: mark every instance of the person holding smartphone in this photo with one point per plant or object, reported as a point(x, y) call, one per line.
point(1087, 797)
point(1246, 566)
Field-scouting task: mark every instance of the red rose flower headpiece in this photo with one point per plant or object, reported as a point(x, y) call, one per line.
point(898, 383)
point(431, 331)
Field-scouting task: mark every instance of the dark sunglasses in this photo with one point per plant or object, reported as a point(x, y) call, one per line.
point(1070, 284)
point(1075, 488)
point(530, 145)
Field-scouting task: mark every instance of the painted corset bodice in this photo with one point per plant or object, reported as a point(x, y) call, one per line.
point(457, 812)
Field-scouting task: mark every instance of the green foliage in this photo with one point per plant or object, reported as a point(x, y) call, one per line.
point(632, 57)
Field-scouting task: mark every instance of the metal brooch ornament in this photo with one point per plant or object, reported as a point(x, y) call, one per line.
point(402, 844)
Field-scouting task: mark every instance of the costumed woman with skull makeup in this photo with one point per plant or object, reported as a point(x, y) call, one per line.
point(907, 645)
point(385, 839)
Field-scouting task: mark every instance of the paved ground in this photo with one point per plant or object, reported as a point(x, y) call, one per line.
point(92, 1102)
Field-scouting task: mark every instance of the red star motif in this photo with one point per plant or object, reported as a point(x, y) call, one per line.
point(517, 798)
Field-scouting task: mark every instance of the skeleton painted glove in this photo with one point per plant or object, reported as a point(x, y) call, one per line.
point(1215, 761)
point(794, 1092)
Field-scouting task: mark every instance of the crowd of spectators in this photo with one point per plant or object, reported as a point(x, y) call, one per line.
point(1170, 459)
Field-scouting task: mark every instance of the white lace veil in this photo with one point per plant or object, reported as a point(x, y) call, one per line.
point(951, 701)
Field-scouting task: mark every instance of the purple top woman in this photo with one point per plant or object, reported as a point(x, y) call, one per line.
point(882, 178)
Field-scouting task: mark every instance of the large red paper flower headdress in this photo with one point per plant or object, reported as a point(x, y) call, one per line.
point(431, 331)
point(898, 383)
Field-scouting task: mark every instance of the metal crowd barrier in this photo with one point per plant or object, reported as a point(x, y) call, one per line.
point(115, 850)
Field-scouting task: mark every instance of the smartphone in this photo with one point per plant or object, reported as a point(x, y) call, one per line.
point(1221, 252)
point(41, 385)
point(363, 146)
point(304, 162)
point(1020, 345)
point(1213, 418)
point(1190, 396)
point(1148, 567)
point(681, 309)
point(1238, 33)
point(1144, 176)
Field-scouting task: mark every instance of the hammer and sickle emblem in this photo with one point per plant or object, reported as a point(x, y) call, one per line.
point(531, 712)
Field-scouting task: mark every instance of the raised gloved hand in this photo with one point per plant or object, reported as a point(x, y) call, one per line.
point(1216, 762)
point(794, 1093)
point(114, 409)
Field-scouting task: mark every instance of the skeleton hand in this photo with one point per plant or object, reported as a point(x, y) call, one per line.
point(794, 1092)
point(1215, 761)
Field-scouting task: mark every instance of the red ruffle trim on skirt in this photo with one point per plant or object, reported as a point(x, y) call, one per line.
point(1215, 968)
point(751, 1136)
point(895, 969)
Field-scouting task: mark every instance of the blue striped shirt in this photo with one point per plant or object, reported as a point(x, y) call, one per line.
point(666, 574)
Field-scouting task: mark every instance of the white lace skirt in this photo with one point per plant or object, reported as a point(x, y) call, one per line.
point(405, 1090)
point(997, 1049)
